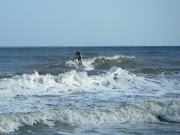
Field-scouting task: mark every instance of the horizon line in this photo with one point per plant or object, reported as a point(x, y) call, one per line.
point(20, 46)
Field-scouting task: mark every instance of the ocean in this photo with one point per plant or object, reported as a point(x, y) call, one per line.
point(122, 91)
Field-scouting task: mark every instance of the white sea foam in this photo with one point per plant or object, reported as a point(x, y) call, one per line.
point(109, 86)
point(86, 62)
point(103, 96)
point(148, 112)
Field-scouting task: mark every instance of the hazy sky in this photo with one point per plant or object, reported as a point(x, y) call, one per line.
point(89, 22)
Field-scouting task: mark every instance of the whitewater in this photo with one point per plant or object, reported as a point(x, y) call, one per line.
point(134, 91)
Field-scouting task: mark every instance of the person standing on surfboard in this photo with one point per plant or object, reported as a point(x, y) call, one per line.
point(79, 54)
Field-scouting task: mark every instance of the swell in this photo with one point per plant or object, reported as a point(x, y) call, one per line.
point(156, 70)
point(105, 63)
point(135, 64)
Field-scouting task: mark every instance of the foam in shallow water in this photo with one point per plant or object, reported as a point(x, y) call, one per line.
point(148, 112)
point(78, 99)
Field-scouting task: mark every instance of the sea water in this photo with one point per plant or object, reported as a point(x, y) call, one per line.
point(123, 90)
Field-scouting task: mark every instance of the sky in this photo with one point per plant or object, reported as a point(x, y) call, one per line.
point(89, 22)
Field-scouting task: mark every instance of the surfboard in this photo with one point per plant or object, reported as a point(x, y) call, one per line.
point(82, 67)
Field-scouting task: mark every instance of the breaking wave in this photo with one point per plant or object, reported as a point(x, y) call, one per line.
point(103, 63)
point(148, 112)
point(115, 78)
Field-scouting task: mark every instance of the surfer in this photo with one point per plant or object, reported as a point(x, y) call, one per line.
point(79, 54)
